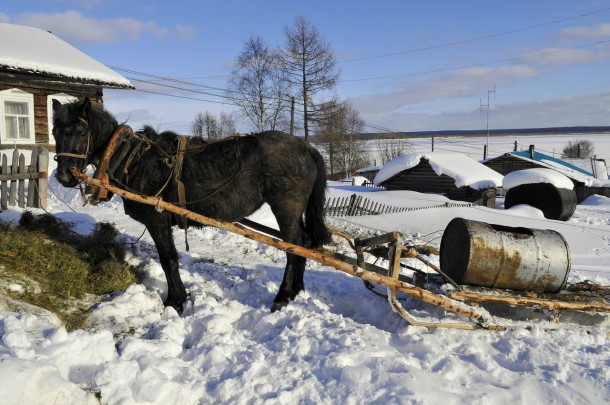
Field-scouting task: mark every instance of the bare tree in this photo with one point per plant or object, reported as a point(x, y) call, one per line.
point(337, 135)
point(257, 85)
point(578, 149)
point(205, 126)
point(391, 146)
point(309, 63)
point(197, 125)
point(226, 125)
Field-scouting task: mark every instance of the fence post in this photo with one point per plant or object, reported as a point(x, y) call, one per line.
point(43, 182)
point(4, 186)
point(32, 182)
point(13, 170)
point(21, 186)
point(352, 205)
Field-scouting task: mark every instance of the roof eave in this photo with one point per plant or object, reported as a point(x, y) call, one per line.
point(57, 78)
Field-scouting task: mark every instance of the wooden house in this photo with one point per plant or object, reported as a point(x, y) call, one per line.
point(368, 172)
point(453, 175)
point(585, 183)
point(35, 68)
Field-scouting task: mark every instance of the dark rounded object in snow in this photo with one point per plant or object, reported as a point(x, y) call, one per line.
point(497, 256)
point(555, 203)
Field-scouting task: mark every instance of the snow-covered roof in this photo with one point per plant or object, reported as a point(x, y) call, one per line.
point(368, 169)
point(565, 168)
point(463, 169)
point(35, 51)
point(537, 175)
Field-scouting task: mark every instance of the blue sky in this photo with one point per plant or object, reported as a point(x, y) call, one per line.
point(405, 65)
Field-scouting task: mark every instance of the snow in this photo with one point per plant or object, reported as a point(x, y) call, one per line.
point(336, 343)
point(34, 50)
point(465, 170)
point(530, 176)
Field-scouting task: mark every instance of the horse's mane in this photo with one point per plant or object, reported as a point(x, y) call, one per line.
point(100, 120)
point(167, 139)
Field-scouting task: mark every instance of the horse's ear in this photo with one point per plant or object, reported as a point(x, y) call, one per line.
point(85, 107)
point(56, 104)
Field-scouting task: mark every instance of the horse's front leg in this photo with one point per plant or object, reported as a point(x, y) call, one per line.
point(159, 227)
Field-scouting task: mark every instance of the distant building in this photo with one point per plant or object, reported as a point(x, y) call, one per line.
point(453, 175)
point(35, 68)
point(368, 172)
point(585, 184)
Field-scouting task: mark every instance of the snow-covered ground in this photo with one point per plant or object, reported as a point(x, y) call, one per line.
point(337, 343)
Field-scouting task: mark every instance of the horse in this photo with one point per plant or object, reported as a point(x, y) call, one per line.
point(226, 179)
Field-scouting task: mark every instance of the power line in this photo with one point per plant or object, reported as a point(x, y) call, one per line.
point(534, 55)
point(461, 42)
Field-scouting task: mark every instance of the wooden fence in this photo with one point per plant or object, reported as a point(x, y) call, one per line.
point(13, 178)
point(356, 205)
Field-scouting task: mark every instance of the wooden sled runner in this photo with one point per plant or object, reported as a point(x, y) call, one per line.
point(461, 300)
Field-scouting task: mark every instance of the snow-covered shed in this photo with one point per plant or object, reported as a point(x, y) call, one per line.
point(585, 184)
point(369, 172)
point(531, 159)
point(36, 67)
point(454, 175)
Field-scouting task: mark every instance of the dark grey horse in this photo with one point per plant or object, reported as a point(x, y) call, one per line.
point(227, 180)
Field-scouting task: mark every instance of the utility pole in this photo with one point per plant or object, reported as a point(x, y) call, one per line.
point(487, 107)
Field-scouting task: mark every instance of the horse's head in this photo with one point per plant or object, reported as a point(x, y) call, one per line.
point(72, 139)
point(78, 129)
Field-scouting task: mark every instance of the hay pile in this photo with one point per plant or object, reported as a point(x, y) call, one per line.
point(44, 263)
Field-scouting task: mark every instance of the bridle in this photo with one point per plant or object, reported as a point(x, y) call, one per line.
point(85, 156)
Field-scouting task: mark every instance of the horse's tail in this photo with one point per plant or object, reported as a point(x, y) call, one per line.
point(314, 212)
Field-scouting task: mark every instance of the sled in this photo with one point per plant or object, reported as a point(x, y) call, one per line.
point(436, 289)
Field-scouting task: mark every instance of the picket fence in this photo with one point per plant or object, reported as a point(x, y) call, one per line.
point(357, 205)
point(13, 176)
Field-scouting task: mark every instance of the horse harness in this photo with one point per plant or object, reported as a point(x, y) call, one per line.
point(124, 148)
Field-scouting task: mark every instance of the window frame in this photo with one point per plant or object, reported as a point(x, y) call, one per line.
point(62, 98)
point(18, 96)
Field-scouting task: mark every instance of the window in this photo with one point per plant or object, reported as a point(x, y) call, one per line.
point(62, 98)
point(17, 110)
point(16, 117)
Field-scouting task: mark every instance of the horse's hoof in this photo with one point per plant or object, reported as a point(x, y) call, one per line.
point(178, 307)
point(278, 305)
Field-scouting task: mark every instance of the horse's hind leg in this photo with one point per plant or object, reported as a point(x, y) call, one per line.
point(292, 230)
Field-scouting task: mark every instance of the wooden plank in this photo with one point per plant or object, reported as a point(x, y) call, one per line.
point(32, 182)
point(530, 302)
point(377, 240)
point(22, 170)
point(42, 181)
point(23, 176)
point(13, 186)
point(4, 184)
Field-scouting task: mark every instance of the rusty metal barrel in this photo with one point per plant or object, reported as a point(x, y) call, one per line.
point(497, 256)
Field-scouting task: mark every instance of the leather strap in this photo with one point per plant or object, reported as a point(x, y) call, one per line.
point(182, 145)
point(98, 193)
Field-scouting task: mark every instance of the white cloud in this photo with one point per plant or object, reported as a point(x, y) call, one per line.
point(464, 83)
point(75, 27)
point(552, 57)
point(601, 31)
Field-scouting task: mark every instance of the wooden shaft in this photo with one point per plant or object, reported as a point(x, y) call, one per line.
point(527, 301)
point(416, 292)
